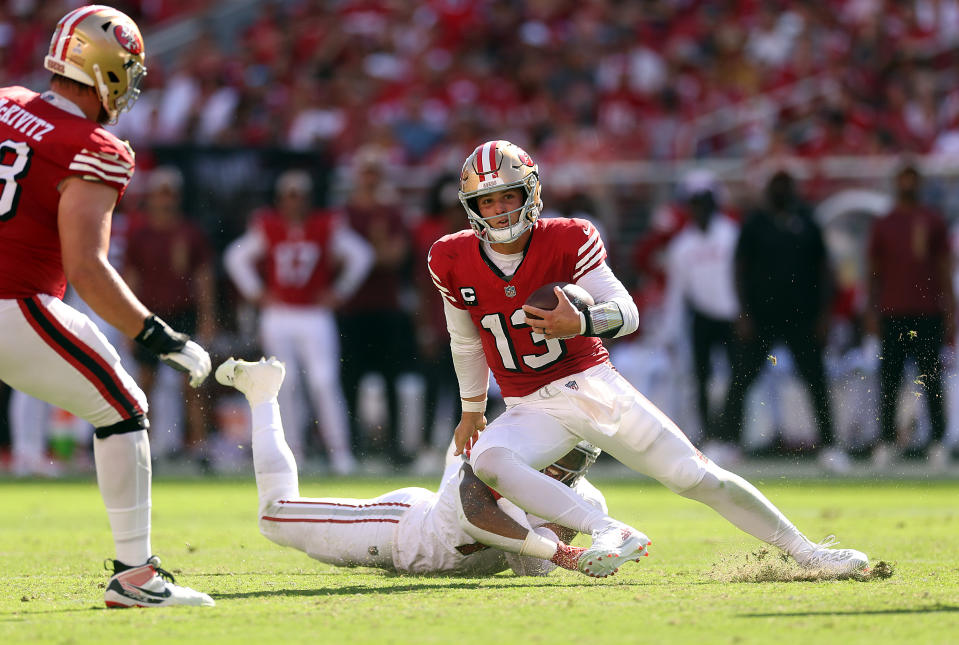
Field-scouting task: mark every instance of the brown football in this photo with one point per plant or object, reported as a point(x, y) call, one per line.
point(544, 298)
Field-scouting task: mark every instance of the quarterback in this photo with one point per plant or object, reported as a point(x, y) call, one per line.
point(558, 383)
point(410, 530)
point(61, 175)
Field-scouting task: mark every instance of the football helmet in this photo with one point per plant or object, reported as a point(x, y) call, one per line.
point(101, 47)
point(574, 464)
point(496, 166)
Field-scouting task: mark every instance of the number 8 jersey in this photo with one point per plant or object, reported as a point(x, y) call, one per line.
point(560, 250)
point(42, 142)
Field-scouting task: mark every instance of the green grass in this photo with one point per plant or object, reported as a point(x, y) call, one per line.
point(53, 535)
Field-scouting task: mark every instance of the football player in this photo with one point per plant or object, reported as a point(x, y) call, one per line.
point(554, 372)
point(314, 263)
point(410, 530)
point(61, 175)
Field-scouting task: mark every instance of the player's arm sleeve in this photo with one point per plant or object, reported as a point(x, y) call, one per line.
point(469, 361)
point(103, 158)
point(356, 256)
point(614, 314)
point(240, 260)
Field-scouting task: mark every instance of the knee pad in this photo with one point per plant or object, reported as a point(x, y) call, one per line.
point(134, 424)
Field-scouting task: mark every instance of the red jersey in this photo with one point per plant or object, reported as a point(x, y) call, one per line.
point(907, 249)
point(169, 257)
point(299, 267)
point(41, 146)
point(559, 250)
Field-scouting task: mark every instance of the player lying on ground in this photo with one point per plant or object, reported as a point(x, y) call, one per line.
point(410, 530)
point(554, 372)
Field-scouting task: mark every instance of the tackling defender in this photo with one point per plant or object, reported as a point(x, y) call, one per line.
point(62, 175)
point(555, 374)
point(410, 530)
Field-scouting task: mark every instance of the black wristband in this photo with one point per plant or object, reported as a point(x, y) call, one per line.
point(159, 337)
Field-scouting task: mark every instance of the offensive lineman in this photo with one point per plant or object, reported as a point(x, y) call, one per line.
point(410, 530)
point(62, 175)
point(555, 374)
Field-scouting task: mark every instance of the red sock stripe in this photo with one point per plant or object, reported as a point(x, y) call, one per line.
point(84, 359)
point(315, 503)
point(327, 521)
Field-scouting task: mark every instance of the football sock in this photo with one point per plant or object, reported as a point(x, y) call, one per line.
point(742, 504)
point(123, 474)
point(273, 462)
point(502, 470)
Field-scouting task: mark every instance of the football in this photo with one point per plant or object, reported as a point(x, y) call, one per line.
point(544, 298)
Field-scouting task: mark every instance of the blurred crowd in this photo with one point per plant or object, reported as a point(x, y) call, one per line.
point(660, 79)
point(383, 90)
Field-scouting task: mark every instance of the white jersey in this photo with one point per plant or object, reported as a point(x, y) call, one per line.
point(428, 534)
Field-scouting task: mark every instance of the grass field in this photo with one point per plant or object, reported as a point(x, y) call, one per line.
point(693, 588)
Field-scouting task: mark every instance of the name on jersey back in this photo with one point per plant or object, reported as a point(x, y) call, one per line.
point(23, 121)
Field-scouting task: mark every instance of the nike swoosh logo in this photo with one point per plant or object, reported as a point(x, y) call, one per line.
point(153, 594)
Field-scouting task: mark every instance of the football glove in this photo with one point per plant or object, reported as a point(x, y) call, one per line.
point(175, 349)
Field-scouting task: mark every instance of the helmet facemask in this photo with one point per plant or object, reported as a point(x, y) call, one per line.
point(493, 167)
point(569, 468)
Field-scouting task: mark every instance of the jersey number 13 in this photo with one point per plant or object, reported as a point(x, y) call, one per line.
point(496, 325)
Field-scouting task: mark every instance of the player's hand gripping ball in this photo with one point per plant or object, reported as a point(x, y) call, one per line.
point(545, 298)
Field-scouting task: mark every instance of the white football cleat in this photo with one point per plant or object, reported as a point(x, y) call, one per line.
point(259, 381)
point(149, 586)
point(612, 546)
point(834, 561)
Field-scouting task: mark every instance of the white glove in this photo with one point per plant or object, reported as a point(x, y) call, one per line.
point(192, 359)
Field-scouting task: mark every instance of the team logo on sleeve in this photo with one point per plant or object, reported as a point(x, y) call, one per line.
point(468, 294)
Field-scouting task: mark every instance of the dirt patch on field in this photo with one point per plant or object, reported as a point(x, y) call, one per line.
point(768, 565)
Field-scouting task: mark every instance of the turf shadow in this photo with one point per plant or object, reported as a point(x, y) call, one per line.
point(418, 586)
point(931, 609)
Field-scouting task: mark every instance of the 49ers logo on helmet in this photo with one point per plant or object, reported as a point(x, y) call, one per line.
point(525, 158)
point(127, 39)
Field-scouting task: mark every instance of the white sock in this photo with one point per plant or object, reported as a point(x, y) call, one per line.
point(123, 474)
point(273, 462)
point(742, 504)
point(536, 493)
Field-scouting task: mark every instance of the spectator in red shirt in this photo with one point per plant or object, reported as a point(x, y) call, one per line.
point(173, 256)
point(911, 307)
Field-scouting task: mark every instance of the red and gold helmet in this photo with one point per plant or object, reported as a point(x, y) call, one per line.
point(496, 166)
point(101, 47)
